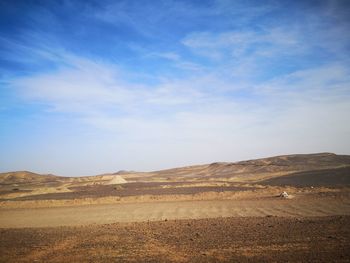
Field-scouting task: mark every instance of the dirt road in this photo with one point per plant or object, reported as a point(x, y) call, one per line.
point(138, 212)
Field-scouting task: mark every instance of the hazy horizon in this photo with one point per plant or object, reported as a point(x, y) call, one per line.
point(88, 87)
point(155, 170)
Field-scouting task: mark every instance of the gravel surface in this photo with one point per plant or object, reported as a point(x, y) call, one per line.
point(262, 239)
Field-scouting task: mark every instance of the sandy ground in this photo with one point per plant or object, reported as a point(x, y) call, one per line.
point(249, 226)
point(262, 239)
point(137, 212)
point(221, 212)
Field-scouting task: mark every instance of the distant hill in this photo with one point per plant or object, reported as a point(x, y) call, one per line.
point(266, 166)
point(258, 170)
point(325, 177)
point(25, 177)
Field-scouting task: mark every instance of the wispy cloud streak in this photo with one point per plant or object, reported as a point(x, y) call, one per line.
point(168, 88)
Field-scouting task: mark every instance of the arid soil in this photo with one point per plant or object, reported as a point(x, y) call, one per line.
point(321, 204)
point(130, 189)
point(315, 178)
point(220, 212)
point(262, 239)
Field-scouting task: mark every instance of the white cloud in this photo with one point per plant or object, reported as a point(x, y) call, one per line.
point(327, 82)
point(270, 118)
point(177, 61)
point(267, 42)
point(215, 113)
point(168, 55)
point(252, 84)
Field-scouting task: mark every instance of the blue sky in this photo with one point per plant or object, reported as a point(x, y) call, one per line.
point(88, 87)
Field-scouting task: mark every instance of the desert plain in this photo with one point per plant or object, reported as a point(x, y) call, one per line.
point(218, 212)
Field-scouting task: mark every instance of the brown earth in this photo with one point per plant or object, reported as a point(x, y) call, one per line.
point(325, 177)
point(244, 170)
point(205, 213)
point(130, 189)
point(263, 239)
point(303, 170)
point(301, 205)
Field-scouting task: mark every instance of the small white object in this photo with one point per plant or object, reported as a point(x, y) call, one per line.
point(284, 195)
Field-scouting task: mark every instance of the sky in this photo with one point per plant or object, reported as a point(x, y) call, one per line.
point(89, 87)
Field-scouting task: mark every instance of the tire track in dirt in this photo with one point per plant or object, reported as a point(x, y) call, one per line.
point(138, 212)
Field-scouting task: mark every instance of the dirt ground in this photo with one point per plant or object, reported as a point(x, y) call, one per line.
point(309, 227)
point(253, 239)
point(324, 204)
point(220, 212)
point(130, 189)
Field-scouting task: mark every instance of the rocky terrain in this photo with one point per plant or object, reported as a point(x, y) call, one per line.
point(324, 169)
point(202, 213)
point(253, 239)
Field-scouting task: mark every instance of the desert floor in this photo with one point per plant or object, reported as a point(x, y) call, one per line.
point(302, 206)
point(234, 239)
point(312, 225)
point(221, 212)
